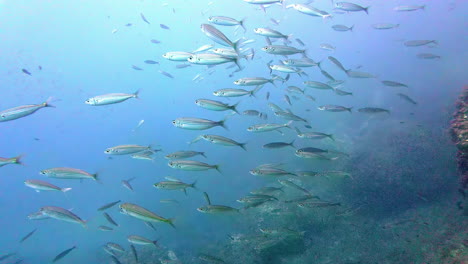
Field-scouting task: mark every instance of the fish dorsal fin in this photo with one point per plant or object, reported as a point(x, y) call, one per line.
point(207, 198)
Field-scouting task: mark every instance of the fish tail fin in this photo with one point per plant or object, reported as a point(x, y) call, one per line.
point(330, 136)
point(288, 124)
point(155, 243)
point(193, 185)
point(254, 91)
point(171, 222)
point(423, 7)
point(292, 143)
point(325, 17)
point(242, 145)
point(185, 191)
point(319, 64)
point(435, 42)
point(222, 124)
point(48, 102)
point(203, 154)
point(234, 108)
point(95, 177)
point(350, 109)
point(65, 189)
point(241, 23)
point(18, 159)
point(218, 169)
point(351, 28)
point(135, 94)
point(84, 223)
point(366, 9)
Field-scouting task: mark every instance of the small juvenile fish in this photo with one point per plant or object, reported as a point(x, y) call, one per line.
point(109, 219)
point(359, 74)
point(26, 72)
point(318, 85)
point(275, 145)
point(39, 185)
point(177, 55)
point(417, 43)
point(408, 8)
point(174, 185)
point(350, 7)
point(155, 41)
point(22, 111)
point(135, 255)
point(407, 98)
point(211, 59)
point(191, 165)
point(385, 26)
point(126, 149)
point(342, 93)
point(373, 110)
point(139, 240)
point(217, 36)
point(107, 206)
point(337, 63)
point(220, 140)
point(28, 235)
point(268, 127)
point(151, 62)
point(216, 209)
point(215, 105)
point(136, 68)
point(270, 33)
point(14, 160)
point(196, 123)
point(309, 10)
point(105, 228)
point(427, 56)
point(166, 74)
point(342, 28)
point(300, 42)
point(267, 190)
point(282, 50)
point(184, 154)
point(128, 24)
point(181, 66)
point(394, 84)
point(255, 113)
point(231, 92)
point(226, 21)
point(312, 153)
point(164, 26)
point(270, 172)
point(291, 184)
point(327, 75)
point(326, 46)
point(334, 108)
point(7, 256)
point(144, 18)
point(143, 214)
point(115, 247)
point(126, 183)
point(63, 254)
point(111, 98)
point(62, 214)
point(146, 155)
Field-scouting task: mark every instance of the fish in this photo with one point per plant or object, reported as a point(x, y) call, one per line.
point(350, 7)
point(253, 81)
point(144, 18)
point(309, 10)
point(327, 75)
point(139, 240)
point(275, 145)
point(268, 127)
point(291, 184)
point(136, 68)
point(62, 215)
point(295, 89)
point(427, 56)
point(318, 85)
point(210, 259)
point(220, 140)
point(211, 59)
point(257, 198)
point(126, 183)
point(177, 55)
point(342, 93)
point(184, 154)
point(270, 33)
point(143, 214)
point(270, 172)
point(109, 219)
point(108, 205)
point(115, 247)
point(192, 123)
point(282, 50)
point(105, 228)
point(115, 260)
point(63, 254)
point(3, 257)
point(127, 149)
point(328, 174)
point(135, 255)
point(305, 153)
point(373, 110)
point(39, 185)
point(286, 69)
point(314, 135)
point(334, 108)
point(394, 84)
point(68, 173)
point(168, 201)
point(407, 98)
point(164, 26)
point(217, 209)
point(255, 113)
point(215, 105)
point(203, 48)
point(317, 204)
point(300, 42)
point(28, 235)
point(327, 46)
point(166, 74)
point(408, 8)
point(304, 62)
point(22, 111)
point(155, 41)
point(191, 165)
point(267, 190)
point(14, 160)
point(151, 62)
point(342, 28)
point(174, 185)
point(26, 72)
point(359, 74)
point(217, 36)
point(290, 116)
point(226, 21)
point(112, 98)
point(385, 26)
point(417, 43)
point(181, 66)
point(337, 63)
point(263, 2)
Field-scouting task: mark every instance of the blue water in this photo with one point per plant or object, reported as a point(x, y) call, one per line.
point(81, 57)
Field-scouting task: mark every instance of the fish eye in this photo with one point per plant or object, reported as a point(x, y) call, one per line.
point(173, 122)
point(190, 58)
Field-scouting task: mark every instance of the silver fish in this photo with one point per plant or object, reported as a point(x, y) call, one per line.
point(196, 123)
point(417, 43)
point(184, 154)
point(139, 240)
point(282, 50)
point(126, 149)
point(408, 8)
point(39, 185)
point(22, 111)
point(215, 105)
point(342, 28)
point(191, 165)
point(68, 173)
point(334, 108)
point(226, 21)
point(267, 127)
point(14, 160)
point(62, 214)
point(177, 55)
point(385, 26)
point(350, 7)
point(217, 36)
point(112, 98)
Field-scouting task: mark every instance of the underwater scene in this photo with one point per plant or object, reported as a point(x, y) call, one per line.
point(234, 131)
